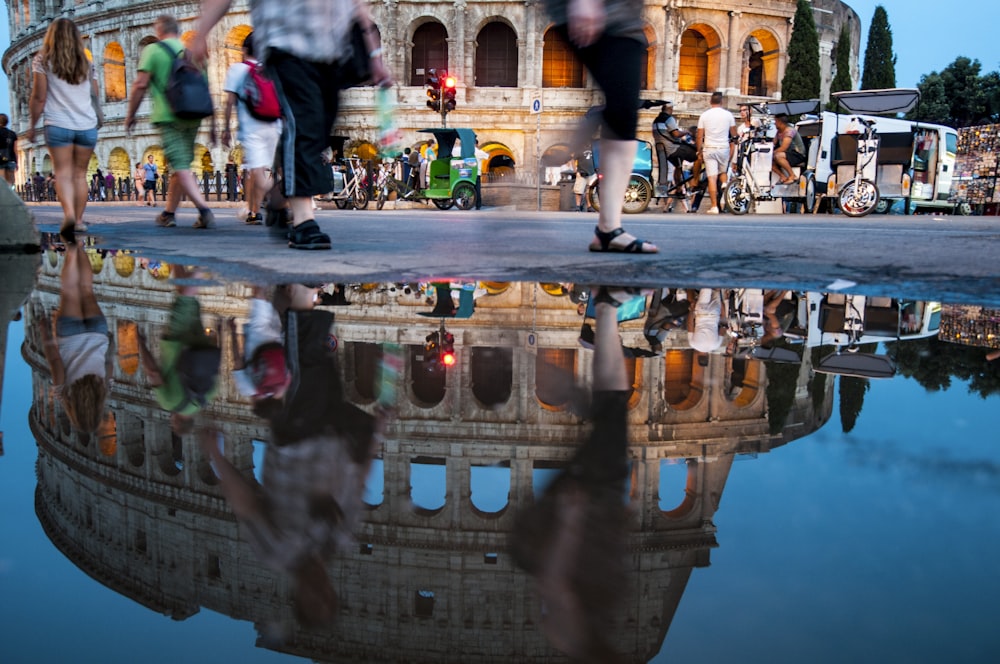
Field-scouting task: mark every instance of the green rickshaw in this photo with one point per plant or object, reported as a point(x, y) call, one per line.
point(451, 179)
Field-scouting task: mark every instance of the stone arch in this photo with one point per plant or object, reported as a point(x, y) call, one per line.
point(127, 344)
point(491, 372)
point(232, 46)
point(428, 48)
point(760, 56)
point(496, 56)
point(362, 362)
point(46, 163)
point(114, 73)
point(683, 379)
point(501, 159)
point(555, 369)
point(107, 435)
point(146, 41)
point(647, 80)
point(119, 164)
point(743, 382)
point(187, 37)
point(560, 66)
point(687, 503)
point(202, 161)
point(489, 489)
point(430, 474)
point(427, 378)
point(699, 59)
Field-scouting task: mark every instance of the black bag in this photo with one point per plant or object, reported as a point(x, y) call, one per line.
point(356, 66)
point(187, 90)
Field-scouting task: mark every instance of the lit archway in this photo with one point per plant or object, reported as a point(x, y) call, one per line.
point(114, 73)
point(761, 53)
point(698, 67)
point(560, 66)
point(232, 50)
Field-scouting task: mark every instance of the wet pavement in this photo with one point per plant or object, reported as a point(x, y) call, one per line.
point(802, 464)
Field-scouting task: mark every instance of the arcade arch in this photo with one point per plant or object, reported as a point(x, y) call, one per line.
point(761, 53)
point(496, 56)
point(429, 50)
point(560, 67)
point(698, 66)
point(114, 73)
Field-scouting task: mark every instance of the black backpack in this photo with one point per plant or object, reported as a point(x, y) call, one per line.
point(186, 89)
point(198, 370)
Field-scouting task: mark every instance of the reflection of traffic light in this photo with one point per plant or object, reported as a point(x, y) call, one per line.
point(434, 89)
point(447, 351)
point(448, 93)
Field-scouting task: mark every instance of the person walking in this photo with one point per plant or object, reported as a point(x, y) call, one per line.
point(607, 37)
point(177, 135)
point(716, 129)
point(302, 43)
point(151, 175)
point(8, 150)
point(64, 89)
point(259, 138)
point(139, 177)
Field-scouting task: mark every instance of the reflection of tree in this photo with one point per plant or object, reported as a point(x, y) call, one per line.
point(933, 363)
point(852, 394)
point(817, 386)
point(781, 380)
point(852, 398)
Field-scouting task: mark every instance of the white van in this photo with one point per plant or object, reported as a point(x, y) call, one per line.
point(919, 156)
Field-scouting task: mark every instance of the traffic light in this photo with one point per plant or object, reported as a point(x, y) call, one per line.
point(433, 89)
point(439, 350)
point(448, 93)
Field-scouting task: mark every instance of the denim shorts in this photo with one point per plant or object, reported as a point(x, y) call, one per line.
point(57, 137)
point(67, 326)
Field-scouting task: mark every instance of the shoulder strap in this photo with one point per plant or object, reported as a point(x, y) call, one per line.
point(168, 50)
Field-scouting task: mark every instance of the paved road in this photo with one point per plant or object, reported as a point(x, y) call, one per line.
point(945, 258)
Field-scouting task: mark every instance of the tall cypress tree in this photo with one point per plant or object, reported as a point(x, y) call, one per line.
point(880, 63)
point(802, 74)
point(842, 79)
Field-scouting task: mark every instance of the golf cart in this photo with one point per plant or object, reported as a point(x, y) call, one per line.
point(754, 181)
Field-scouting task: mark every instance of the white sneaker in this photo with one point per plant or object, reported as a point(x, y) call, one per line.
point(713, 210)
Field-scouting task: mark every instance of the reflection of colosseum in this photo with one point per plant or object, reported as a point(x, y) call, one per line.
point(139, 511)
point(501, 52)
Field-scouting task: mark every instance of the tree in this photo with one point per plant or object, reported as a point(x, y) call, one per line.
point(802, 74)
point(959, 96)
point(880, 63)
point(842, 79)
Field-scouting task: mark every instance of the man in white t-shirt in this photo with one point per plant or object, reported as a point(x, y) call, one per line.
point(716, 128)
point(259, 138)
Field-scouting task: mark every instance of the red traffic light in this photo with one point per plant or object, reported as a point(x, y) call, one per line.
point(450, 82)
point(448, 359)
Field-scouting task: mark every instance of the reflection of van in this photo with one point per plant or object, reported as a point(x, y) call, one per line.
point(838, 319)
point(925, 152)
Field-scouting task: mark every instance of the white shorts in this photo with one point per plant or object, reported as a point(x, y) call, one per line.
point(259, 146)
point(716, 160)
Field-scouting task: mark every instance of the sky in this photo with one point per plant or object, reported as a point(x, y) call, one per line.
point(925, 36)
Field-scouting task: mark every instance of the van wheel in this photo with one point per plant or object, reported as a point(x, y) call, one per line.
point(882, 206)
point(964, 209)
point(810, 202)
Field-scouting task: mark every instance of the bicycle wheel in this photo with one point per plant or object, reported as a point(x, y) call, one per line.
point(637, 195)
point(383, 194)
point(593, 197)
point(858, 197)
point(465, 195)
point(341, 203)
point(443, 203)
point(360, 199)
point(738, 196)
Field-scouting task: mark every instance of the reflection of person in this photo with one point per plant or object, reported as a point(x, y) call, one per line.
point(705, 321)
point(310, 498)
point(607, 37)
point(8, 150)
point(301, 42)
point(789, 149)
point(260, 368)
point(80, 354)
point(177, 135)
point(572, 539)
point(259, 138)
point(716, 127)
point(187, 376)
point(778, 314)
point(64, 89)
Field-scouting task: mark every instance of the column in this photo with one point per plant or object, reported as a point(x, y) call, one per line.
point(733, 69)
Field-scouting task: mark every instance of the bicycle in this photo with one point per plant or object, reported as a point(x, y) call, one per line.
point(860, 194)
point(354, 191)
point(386, 182)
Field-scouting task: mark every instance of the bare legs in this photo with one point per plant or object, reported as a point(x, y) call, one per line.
point(69, 163)
point(183, 182)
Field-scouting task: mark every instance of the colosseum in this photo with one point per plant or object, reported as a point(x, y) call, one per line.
point(503, 54)
point(431, 580)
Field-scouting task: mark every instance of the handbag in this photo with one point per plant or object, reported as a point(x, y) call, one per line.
point(356, 66)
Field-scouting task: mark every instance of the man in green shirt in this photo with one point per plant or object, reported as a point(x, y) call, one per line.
point(177, 135)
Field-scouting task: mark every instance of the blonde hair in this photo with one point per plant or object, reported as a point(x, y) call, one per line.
point(63, 52)
point(84, 400)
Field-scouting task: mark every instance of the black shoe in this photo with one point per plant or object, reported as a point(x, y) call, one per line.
point(307, 235)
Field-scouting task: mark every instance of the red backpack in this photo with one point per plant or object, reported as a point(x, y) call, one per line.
point(259, 94)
